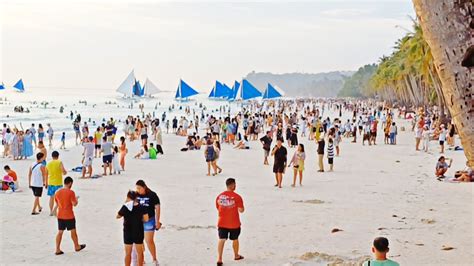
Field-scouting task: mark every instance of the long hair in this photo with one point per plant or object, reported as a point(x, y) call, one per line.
point(142, 184)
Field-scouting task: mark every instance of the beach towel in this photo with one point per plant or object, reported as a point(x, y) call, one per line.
point(77, 169)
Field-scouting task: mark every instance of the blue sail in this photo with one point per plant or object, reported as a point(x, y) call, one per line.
point(235, 89)
point(19, 86)
point(2, 86)
point(247, 91)
point(229, 92)
point(137, 89)
point(271, 92)
point(213, 93)
point(221, 91)
point(184, 91)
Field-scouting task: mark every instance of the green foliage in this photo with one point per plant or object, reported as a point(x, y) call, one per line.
point(359, 83)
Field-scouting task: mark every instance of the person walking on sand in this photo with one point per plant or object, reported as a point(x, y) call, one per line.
point(321, 144)
point(149, 201)
point(229, 204)
point(88, 156)
point(209, 154)
point(266, 142)
point(133, 230)
point(380, 250)
point(330, 154)
point(50, 132)
point(107, 155)
point(66, 200)
point(298, 164)
point(37, 180)
point(280, 155)
point(123, 151)
point(56, 170)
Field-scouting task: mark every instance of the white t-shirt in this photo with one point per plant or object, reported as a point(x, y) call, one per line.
point(89, 148)
point(442, 135)
point(36, 175)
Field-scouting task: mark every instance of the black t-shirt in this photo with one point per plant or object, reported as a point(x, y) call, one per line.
point(132, 220)
point(321, 144)
point(267, 142)
point(280, 155)
point(148, 202)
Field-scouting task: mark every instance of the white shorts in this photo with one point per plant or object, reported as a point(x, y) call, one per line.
point(88, 161)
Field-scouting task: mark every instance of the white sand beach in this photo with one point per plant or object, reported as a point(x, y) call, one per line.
point(380, 190)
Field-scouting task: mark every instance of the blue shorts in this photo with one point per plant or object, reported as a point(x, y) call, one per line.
point(52, 190)
point(150, 225)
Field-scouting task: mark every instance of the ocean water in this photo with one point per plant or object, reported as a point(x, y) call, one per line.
point(95, 111)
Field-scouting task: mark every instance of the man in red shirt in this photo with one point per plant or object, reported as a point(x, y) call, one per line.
point(66, 199)
point(229, 204)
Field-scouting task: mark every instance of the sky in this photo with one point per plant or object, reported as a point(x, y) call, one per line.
point(95, 44)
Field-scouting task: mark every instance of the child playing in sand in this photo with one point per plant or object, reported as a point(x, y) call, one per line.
point(9, 181)
point(442, 167)
point(380, 250)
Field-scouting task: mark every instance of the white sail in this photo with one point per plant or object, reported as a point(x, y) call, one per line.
point(126, 88)
point(150, 88)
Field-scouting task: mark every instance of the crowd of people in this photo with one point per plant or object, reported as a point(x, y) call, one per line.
point(274, 126)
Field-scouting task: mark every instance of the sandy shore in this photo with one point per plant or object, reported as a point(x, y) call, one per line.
point(375, 191)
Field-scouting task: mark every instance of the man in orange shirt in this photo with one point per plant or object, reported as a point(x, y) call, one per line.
point(66, 199)
point(229, 204)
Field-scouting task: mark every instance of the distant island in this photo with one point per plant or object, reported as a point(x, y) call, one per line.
point(302, 84)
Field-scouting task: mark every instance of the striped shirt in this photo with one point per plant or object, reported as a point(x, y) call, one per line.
point(330, 150)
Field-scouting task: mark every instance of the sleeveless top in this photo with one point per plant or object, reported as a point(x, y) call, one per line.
point(55, 175)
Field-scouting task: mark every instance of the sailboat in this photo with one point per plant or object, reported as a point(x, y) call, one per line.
point(19, 86)
point(272, 92)
point(2, 86)
point(184, 91)
point(234, 90)
point(150, 88)
point(127, 86)
point(220, 91)
point(137, 89)
point(247, 91)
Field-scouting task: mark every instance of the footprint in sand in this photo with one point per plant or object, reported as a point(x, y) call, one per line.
point(428, 221)
point(313, 201)
point(446, 248)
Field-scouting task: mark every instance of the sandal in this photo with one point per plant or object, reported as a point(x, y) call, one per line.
point(81, 247)
point(34, 213)
point(59, 253)
point(240, 257)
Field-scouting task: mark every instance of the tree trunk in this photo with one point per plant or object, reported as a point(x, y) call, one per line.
point(447, 29)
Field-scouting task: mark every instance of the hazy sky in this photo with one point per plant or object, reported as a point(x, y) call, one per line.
point(95, 44)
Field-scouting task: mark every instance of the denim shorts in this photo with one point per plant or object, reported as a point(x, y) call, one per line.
point(52, 190)
point(150, 225)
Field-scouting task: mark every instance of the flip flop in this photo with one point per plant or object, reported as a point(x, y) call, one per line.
point(82, 246)
point(240, 257)
point(59, 253)
point(34, 213)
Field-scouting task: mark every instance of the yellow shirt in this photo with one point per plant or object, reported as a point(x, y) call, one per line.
point(55, 173)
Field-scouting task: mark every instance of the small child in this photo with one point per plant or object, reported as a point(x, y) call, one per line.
point(63, 141)
point(331, 154)
point(115, 161)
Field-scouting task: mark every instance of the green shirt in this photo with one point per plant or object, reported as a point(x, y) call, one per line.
point(386, 262)
point(152, 153)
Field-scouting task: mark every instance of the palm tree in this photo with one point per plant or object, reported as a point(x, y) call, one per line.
point(447, 26)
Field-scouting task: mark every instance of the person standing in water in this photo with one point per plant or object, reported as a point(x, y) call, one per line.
point(66, 200)
point(280, 154)
point(229, 204)
point(149, 201)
